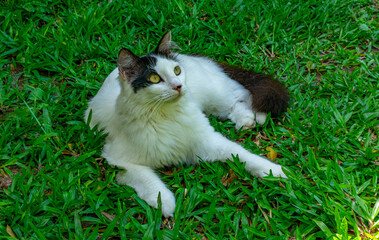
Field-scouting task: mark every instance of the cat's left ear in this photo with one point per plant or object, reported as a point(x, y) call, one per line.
point(165, 45)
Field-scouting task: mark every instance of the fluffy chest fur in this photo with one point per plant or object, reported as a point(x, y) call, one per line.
point(165, 137)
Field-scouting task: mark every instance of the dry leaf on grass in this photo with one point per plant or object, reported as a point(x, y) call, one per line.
point(10, 232)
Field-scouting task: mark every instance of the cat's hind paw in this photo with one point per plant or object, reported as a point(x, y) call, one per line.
point(260, 117)
point(247, 122)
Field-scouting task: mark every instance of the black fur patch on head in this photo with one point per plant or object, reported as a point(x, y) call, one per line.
point(136, 70)
point(146, 67)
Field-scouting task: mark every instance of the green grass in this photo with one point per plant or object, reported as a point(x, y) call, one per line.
point(55, 185)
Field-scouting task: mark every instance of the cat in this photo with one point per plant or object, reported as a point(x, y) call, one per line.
point(154, 109)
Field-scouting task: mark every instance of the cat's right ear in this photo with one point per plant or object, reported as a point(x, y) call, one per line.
point(165, 45)
point(128, 64)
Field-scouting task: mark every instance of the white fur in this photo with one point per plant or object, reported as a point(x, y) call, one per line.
point(216, 93)
point(158, 126)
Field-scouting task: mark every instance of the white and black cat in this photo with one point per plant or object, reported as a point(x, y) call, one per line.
point(153, 109)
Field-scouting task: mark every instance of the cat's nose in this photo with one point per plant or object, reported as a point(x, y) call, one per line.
point(178, 88)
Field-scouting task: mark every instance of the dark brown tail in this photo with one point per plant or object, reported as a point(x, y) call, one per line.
point(269, 95)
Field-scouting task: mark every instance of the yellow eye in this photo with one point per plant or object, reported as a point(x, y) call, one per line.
point(177, 70)
point(154, 78)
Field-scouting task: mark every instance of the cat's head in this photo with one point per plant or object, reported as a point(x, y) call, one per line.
point(157, 76)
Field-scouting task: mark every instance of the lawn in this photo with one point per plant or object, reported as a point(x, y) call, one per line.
point(54, 184)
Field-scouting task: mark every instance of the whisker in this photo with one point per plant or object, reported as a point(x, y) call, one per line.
point(153, 99)
point(156, 102)
point(156, 106)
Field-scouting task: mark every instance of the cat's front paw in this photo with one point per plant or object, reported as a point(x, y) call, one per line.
point(274, 168)
point(149, 191)
point(167, 199)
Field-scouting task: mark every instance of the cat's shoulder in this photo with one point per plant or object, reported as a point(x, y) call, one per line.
point(111, 85)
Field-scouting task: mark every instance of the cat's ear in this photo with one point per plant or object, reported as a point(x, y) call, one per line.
point(128, 64)
point(165, 45)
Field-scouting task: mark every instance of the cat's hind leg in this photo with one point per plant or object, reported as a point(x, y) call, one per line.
point(148, 185)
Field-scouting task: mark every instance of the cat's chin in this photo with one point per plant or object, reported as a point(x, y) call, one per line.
point(176, 97)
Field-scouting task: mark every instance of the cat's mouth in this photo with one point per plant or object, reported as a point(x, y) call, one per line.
point(170, 97)
point(176, 96)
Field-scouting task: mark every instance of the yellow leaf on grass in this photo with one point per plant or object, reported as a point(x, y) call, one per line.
point(10, 232)
point(272, 154)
